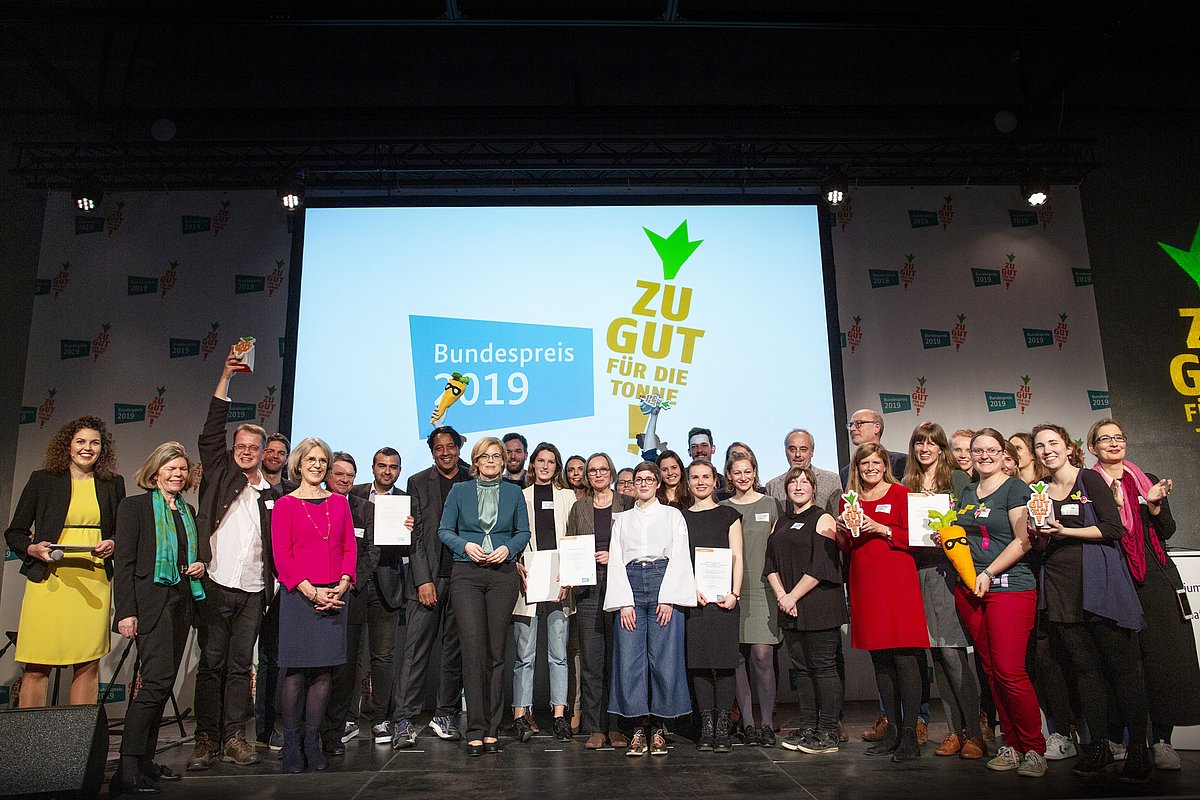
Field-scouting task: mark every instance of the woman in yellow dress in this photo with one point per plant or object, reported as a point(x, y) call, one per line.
point(63, 529)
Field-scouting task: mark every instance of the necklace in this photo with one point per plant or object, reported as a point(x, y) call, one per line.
point(324, 535)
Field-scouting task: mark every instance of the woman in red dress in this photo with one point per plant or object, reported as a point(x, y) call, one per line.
point(887, 615)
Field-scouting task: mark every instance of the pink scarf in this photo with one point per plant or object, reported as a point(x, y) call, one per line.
point(1134, 541)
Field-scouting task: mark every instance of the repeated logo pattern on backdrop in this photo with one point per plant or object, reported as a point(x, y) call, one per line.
point(130, 303)
point(960, 306)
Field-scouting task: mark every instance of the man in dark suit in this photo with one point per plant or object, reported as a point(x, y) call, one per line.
point(266, 684)
point(383, 595)
point(233, 524)
point(866, 427)
point(427, 608)
point(341, 709)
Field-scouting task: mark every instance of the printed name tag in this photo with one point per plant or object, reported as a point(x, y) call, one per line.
point(360, 533)
point(762, 517)
point(269, 504)
point(547, 505)
point(797, 526)
point(1070, 510)
point(983, 513)
point(883, 508)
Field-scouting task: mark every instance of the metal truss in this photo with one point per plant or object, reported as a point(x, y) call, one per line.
point(382, 165)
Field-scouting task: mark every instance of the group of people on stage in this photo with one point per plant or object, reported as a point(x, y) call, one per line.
point(1079, 618)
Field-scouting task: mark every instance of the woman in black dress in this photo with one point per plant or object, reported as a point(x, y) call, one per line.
point(713, 627)
point(804, 567)
point(1167, 643)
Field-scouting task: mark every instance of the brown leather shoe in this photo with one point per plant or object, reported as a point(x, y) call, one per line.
point(922, 732)
point(240, 751)
point(989, 732)
point(950, 745)
point(843, 737)
point(595, 741)
point(877, 730)
point(618, 740)
point(973, 748)
point(204, 753)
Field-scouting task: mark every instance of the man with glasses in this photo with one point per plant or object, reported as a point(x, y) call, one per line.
point(427, 608)
point(866, 427)
point(798, 446)
point(233, 523)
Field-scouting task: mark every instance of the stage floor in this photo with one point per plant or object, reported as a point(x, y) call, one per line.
point(544, 768)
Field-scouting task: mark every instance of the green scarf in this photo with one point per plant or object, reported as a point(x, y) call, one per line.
point(489, 509)
point(166, 544)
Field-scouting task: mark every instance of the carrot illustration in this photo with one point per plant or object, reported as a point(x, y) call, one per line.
point(167, 281)
point(275, 277)
point(1009, 271)
point(920, 395)
point(908, 272)
point(1061, 331)
point(1024, 394)
point(454, 389)
point(954, 543)
point(844, 214)
point(59, 284)
point(100, 342)
point(959, 333)
point(946, 215)
point(855, 334)
point(852, 513)
point(1039, 503)
point(1045, 213)
point(209, 343)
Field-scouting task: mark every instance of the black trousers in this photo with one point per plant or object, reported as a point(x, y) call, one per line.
point(229, 623)
point(595, 626)
point(266, 682)
point(422, 626)
point(818, 688)
point(381, 624)
point(160, 649)
point(484, 598)
point(1104, 659)
point(345, 676)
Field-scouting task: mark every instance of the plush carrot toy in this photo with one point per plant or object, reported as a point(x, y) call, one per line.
point(454, 389)
point(852, 514)
point(954, 543)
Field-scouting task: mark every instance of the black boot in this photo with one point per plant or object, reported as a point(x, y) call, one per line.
point(1096, 757)
point(705, 741)
point(887, 744)
point(312, 750)
point(293, 759)
point(907, 749)
point(1138, 764)
point(722, 741)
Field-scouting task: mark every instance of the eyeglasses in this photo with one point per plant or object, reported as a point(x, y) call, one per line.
point(597, 470)
point(990, 452)
point(490, 457)
point(858, 423)
point(1119, 439)
point(645, 480)
point(246, 448)
point(625, 482)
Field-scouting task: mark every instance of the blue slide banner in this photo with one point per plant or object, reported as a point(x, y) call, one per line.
point(519, 374)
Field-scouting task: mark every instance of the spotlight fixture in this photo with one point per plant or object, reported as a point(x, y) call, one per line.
point(87, 193)
point(834, 190)
point(1035, 190)
point(291, 193)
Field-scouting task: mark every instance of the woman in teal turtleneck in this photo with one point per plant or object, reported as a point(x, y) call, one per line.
point(486, 524)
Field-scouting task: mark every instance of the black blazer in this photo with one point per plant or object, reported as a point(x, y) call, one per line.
point(388, 569)
point(42, 510)
point(135, 594)
point(220, 485)
point(425, 556)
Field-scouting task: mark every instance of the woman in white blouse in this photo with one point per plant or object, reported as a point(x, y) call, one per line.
point(649, 680)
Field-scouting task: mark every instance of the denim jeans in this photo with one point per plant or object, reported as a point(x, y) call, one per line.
point(649, 674)
point(526, 631)
point(814, 658)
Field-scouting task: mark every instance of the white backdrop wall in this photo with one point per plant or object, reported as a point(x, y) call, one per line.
point(135, 306)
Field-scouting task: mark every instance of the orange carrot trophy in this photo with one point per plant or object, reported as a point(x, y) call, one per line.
point(852, 513)
point(454, 389)
point(243, 351)
point(1039, 504)
point(954, 543)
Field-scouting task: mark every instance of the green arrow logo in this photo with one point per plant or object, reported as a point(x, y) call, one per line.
point(1188, 260)
point(674, 250)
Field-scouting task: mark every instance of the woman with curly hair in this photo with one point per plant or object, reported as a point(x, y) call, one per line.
point(63, 529)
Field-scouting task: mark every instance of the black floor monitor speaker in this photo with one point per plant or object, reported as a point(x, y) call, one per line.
point(56, 752)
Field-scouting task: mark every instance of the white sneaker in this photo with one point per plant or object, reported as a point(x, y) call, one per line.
point(1164, 755)
point(1007, 759)
point(1059, 747)
point(1034, 765)
point(1118, 750)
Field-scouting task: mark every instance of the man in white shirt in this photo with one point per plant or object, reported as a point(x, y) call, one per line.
point(798, 446)
point(233, 523)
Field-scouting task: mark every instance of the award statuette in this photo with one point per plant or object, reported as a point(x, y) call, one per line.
point(852, 514)
point(454, 389)
point(652, 404)
point(243, 351)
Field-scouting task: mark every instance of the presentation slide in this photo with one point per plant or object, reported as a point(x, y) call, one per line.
point(557, 322)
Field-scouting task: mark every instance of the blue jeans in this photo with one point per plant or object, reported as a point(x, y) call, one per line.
point(649, 674)
point(526, 631)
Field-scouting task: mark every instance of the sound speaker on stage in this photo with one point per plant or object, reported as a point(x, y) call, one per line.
point(59, 751)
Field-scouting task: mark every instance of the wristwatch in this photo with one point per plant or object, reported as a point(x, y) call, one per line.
point(991, 577)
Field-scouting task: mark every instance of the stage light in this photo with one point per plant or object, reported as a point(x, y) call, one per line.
point(1035, 190)
point(87, 194)
point(834, 190)
point(291, 194)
